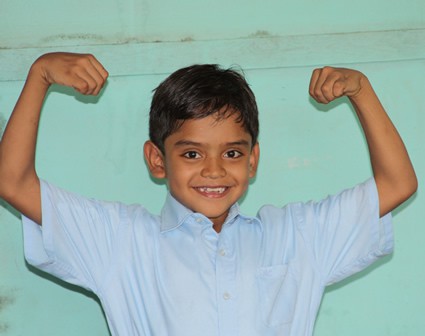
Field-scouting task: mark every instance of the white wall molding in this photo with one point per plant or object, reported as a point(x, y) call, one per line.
point(250, 53)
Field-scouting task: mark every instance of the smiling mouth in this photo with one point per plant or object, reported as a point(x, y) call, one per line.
point(212, 191)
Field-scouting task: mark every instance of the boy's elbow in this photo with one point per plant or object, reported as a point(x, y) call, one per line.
point(24, 196)
point(407, 189)
point(391, 195)
point(412, 187)
point(13, 187)
point(8, 189)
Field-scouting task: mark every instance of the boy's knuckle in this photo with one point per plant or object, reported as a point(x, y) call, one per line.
point(326, 90)
point(83, 86)
point(317, 92)
point(89, 57)
point(83, 60)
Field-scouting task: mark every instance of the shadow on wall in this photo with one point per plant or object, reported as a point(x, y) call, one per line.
point(85, 99)
point(67, 286)
point(10, 209)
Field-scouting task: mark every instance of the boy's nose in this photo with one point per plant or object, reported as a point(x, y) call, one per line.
point(213, 169)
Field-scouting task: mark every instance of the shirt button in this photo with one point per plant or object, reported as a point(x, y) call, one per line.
point(222, 252)
point(199, 220)
point(226, 296)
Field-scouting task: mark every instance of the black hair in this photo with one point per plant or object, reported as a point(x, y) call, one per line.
point(196, 92)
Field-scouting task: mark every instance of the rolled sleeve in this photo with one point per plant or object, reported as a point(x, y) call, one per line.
point(345, 232)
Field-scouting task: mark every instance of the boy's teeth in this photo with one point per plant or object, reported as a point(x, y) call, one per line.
point(212, 190)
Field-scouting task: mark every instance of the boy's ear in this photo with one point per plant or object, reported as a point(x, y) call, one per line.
point(154, 159)
point(253, 160)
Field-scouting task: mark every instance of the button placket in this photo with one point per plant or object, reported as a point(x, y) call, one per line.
point(226, 286)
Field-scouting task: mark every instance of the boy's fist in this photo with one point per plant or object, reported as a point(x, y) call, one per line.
point(83, 72)
point(329, 83)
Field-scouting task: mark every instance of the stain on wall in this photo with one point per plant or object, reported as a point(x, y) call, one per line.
point(7, 298)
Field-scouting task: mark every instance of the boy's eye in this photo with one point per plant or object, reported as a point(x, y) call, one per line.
point(191, 155)
point(232, 154)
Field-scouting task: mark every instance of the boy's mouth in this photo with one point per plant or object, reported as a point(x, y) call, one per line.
point(212, 190)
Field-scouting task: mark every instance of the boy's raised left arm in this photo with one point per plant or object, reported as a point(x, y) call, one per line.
point(19, 182)
point(392, 169)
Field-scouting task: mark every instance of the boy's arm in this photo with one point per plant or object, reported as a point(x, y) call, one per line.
point(19, 183)
point(392, 169)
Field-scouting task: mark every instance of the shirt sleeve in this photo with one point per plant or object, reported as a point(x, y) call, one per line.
point(77, 238)
point(344, 231)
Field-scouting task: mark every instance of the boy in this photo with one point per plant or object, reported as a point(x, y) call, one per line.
point(202, 267)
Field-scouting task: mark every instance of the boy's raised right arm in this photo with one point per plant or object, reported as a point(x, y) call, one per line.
point(19, 183)
point(392, 169)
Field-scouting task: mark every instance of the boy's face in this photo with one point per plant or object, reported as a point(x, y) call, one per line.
point(208, 164)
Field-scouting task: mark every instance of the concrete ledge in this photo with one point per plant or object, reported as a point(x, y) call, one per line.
point(253, 53)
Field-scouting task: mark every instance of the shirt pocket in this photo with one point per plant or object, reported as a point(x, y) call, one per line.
point(278, 294)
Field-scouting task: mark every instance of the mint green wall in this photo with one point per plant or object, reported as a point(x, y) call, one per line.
point(93, 146)
point(46, 23)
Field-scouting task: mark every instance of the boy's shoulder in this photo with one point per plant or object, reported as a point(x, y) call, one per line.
point(347, 202)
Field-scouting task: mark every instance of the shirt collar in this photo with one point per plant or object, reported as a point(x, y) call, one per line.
point(174, 214)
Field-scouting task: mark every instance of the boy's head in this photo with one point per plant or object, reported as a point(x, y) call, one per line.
point(199, 91)
point(203, 138)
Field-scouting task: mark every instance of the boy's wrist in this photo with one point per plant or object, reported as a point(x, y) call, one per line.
point(365, 91)
point(37, 75)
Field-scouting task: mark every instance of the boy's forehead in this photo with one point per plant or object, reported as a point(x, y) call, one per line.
point(212, 128)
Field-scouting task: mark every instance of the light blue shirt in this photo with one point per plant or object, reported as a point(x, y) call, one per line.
point(174, 275)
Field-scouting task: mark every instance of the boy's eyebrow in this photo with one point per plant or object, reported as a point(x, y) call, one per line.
point(187, 143)
point(241, 142)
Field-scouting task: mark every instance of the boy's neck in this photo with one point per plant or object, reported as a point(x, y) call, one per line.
point(217, 226)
